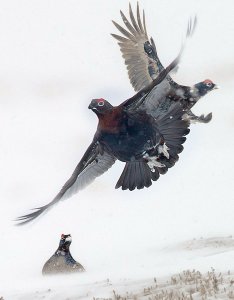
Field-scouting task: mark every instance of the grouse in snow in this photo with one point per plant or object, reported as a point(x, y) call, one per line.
point(62, 261)
point(145, 131)
point(143, 65)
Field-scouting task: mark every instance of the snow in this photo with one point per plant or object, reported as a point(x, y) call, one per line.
point(55, 57)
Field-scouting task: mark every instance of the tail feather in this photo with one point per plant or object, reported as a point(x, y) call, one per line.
point(155, 174)
point(146, 174)
point(133, 180)
point(140, 183)
point(136, 174)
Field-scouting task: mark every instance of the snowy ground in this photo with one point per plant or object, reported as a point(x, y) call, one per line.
point(57, 55)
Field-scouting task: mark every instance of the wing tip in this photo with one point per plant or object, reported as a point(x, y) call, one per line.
point(24, 219)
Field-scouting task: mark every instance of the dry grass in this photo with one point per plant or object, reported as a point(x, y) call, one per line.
point(188, 285)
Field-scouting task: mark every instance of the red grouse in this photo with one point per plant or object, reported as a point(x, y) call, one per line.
point(147, 141)
point(146, 131)
point(62, 261)
point(143, 65)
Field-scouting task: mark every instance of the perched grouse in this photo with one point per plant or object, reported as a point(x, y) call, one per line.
point(62, 261)
point(144, 132)
point(143, 65)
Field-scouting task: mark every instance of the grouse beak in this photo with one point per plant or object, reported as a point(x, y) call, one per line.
point(91, 107)
point(69, 239)
point(216, 87)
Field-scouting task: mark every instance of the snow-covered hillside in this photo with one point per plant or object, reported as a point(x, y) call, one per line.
point(55, 57)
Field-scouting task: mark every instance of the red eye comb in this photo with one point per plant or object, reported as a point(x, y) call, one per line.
point(208, 81)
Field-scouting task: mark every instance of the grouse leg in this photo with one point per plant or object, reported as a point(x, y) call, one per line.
point(190, 116)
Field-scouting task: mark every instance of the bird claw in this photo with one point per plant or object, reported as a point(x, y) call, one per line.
point(153, 158)
point(162, 149)
point(195, 119)
point(152, 161)
point(205, 119)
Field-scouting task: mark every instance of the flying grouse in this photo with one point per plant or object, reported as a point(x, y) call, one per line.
point(143, 65)
point(146, 131)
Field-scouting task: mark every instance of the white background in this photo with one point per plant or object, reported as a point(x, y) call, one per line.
point(55, 56)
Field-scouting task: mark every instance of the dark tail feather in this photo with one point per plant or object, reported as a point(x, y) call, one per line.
point(136, 174)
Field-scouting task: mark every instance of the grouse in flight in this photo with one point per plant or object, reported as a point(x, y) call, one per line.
point(143, 65)
point(144, 131)
point(147, 141)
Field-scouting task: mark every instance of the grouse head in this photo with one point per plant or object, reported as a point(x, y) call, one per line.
point(65, 242)
point(100, 106)
point(202, 88)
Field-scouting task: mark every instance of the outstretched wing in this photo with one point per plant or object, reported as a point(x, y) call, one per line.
point(162, 86)
point(94, 163)
point(139, 52)
point(141, 69)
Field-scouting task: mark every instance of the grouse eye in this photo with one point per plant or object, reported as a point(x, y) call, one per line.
point(100, 103)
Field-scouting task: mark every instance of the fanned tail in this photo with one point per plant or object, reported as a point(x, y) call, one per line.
point(136, 174)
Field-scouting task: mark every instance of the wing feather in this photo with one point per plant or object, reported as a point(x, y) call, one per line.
point(128, 24)
point(132, 48)
point(93, 164)
point(139, 20)
point(124, 32)
point(139, 52)
point(173, 130)
point(133, 19)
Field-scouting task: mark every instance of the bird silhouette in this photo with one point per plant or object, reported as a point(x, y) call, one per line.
point(143, 65)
